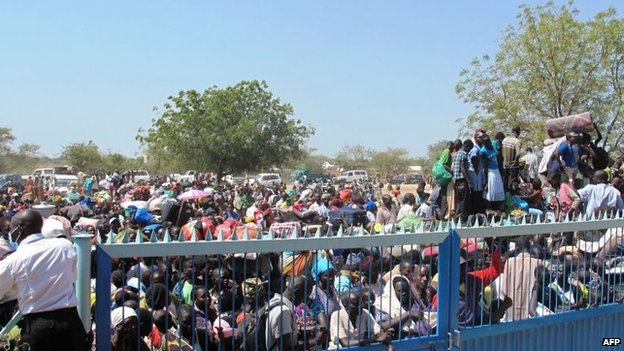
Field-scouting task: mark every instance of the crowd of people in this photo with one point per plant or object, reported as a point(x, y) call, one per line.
point(321, 299)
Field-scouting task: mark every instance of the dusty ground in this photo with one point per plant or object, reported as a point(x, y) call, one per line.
point(405, 188)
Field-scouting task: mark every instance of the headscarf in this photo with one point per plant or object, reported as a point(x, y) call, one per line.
point(321, 266)
point(120, 313)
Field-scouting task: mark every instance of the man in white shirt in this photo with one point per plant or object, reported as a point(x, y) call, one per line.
point(281, 333)
point(409, 200)
point(43, 273)
point(531, 164)
point(601, 196)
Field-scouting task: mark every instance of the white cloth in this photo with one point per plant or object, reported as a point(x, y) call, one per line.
point(5, 247)
point(601, 197)
point(280, 321)
point(547, 153)
point(321, 209)
point(340, 327)
point(120, 313)
point(389, 304)
point(404, 211)
point(531, 164)
point(495, 190)
point(42, 272)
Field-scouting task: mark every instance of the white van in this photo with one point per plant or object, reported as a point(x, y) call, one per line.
point(268, 179)
point(62, 183)
point(351, 176)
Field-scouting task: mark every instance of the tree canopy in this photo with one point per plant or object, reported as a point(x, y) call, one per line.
point(550, 64)
point(393, 161)
point(230, 130)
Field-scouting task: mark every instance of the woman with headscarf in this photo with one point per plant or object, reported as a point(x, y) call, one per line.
point(399, 308)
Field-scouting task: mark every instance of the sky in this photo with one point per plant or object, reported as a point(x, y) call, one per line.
point(375, 73)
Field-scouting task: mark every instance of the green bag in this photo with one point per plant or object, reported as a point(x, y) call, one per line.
point(440, 174)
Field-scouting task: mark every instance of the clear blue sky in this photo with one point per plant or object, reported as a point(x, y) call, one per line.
point(380, 74)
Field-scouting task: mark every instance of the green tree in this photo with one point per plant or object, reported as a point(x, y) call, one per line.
point(231, 130)
point(550, 64)
point(84, 157)
point(391, 162)
point(355, 156)
point(28, 150)
point(6, 139)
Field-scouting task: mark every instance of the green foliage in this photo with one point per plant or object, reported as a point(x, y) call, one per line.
point(84, 157)
point(231, 130)
point(355, 156)
point(550, 64)
point(393, 161)
point(6, 139)
point(28, 150)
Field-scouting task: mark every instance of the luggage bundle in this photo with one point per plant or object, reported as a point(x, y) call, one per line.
point(581, 123)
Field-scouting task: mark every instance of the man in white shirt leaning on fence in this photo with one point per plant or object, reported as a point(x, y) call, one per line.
point(43, 272)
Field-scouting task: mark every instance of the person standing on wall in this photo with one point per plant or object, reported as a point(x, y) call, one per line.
point(43, 273)
point(511, 156)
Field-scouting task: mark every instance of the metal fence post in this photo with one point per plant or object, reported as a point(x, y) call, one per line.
point(448, 284)
point(83, 284)
point(103, 301)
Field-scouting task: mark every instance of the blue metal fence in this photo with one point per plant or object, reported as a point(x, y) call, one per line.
point(571, 330)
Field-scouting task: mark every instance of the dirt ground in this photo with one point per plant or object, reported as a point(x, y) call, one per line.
point(405, 188)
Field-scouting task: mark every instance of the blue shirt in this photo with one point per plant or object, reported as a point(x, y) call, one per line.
point(492, 156)
point(475, 176)
point(569, 154)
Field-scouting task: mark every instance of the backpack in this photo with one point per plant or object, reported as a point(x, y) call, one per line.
point(255, 333)
point(258, 330)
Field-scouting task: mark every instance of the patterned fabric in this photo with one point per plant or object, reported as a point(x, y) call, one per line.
point(461, 157)
point(286, 228)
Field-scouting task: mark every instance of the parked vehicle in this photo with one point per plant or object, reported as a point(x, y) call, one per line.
point(351, 176)
point(62, 183)
point(414, 179)
point(268, 179)
point(65, 170)
point(11, 180)
point(188, 176)
point(299, 174)
point(397, 180)
point(141, 175)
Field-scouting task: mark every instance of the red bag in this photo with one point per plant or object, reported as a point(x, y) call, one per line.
point(558, 127)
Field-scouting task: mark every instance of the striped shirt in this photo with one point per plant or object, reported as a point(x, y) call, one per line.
point(460, 158)
point(511, 151)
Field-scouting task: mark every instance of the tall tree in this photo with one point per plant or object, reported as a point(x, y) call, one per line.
point(550, 64)
point(6, 139)
point(231, 130)
point(354, 156)
point(84, 157)
point(28, 150)
point(391, 162)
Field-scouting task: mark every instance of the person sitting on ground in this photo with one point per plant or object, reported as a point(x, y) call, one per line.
point(354, 325)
